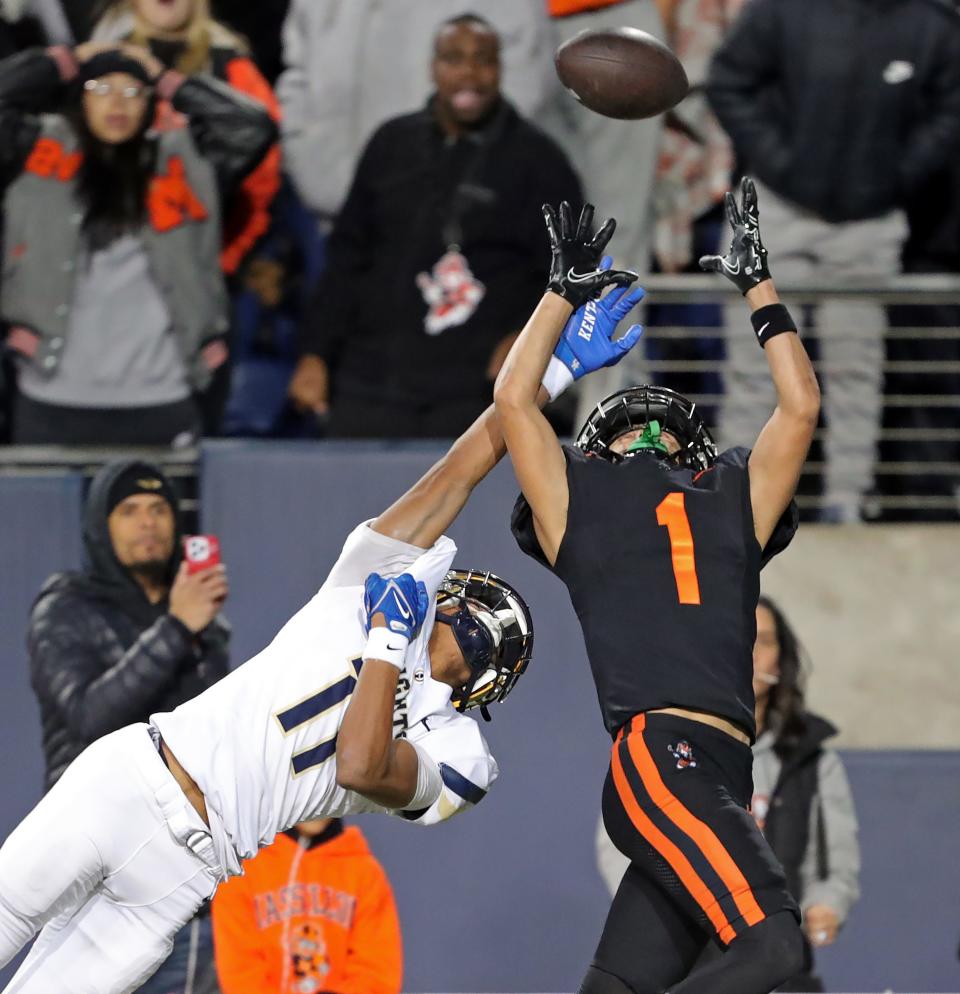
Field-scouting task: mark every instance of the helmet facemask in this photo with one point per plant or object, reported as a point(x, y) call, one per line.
point(641, 407)
point(494, 630)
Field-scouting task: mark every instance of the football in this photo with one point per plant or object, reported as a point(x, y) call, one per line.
point(622, 73)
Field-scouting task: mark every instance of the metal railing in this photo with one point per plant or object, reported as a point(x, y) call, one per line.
point(917, 471)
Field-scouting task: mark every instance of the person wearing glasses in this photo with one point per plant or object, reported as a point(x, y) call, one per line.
point(112, 290)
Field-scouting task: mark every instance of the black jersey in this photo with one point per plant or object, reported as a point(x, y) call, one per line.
point(663, 568)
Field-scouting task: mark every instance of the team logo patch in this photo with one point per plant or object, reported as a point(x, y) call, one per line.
point(683, 753)
point(308, 955)
point(451, 291)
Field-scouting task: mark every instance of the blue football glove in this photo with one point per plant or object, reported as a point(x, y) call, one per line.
point(587, 343)
point(402, 600)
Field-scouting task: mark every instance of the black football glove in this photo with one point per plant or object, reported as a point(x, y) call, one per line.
point(575, 272)
point(745, 263)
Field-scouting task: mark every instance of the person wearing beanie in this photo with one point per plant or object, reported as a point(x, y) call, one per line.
point(130, 634)
point(312, 913)
point(113, 293)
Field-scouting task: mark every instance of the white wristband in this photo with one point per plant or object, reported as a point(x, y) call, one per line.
point(557, 378)
point(386, 645)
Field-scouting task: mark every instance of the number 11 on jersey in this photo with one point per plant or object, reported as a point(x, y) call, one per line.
point(672, 514)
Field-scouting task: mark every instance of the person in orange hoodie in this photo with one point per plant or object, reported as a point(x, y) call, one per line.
point(312, 914)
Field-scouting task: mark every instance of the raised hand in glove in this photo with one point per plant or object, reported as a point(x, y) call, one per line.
point(402, 601)
point(587, 343)
point(575, 272)
point(745, 263)
point(394, 610)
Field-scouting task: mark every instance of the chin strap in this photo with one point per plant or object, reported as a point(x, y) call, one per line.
point(651, 438)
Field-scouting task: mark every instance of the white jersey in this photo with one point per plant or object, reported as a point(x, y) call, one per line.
point(261, 743)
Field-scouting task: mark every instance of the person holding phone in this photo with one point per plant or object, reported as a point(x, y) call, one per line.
point(138, 630)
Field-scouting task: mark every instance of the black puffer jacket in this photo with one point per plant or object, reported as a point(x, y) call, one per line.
point(845, 107)
point(101, 655)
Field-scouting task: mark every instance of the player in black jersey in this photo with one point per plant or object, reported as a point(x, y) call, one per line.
point(660, 542)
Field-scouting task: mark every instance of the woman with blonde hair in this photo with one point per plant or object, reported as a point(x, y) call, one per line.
point(183, 35)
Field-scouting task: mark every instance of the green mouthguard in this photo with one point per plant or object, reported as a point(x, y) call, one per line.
point(650, 439)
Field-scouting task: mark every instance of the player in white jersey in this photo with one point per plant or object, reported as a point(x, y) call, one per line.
point(356, 706)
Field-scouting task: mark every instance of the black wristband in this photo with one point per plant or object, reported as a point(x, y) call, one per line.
point(774, 319)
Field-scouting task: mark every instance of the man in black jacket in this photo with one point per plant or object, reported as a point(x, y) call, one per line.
point(131, 635)
point(455, 277)
point(843, 109)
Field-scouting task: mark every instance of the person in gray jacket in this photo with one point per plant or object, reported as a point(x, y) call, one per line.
point(112, 288)
point(801, 798)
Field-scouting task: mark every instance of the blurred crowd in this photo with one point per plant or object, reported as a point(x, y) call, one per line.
point(284, 218)
point(287, 218)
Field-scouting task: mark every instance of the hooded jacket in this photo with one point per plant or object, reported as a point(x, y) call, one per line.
point(309, 915)
point(845, 107)
point(101, 655)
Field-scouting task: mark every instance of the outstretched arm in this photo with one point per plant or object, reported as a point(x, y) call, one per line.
point(577, 275)
point(430, 506)
point(781, 448)
point(534, 448)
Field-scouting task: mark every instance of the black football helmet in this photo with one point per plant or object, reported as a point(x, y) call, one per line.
point(636, 407)
point(493, 627)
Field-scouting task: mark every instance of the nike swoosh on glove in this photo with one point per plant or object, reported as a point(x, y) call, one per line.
point(575, 270)
point(587, 343)
point(402, 600)
point(745, 263)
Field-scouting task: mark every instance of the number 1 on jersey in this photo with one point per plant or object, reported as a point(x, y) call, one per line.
point(672, 514)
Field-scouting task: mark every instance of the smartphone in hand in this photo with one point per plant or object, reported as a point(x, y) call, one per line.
point(200, 552)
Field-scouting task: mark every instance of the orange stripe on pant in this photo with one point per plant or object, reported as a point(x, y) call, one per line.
point(677, 861)
point(701, 833)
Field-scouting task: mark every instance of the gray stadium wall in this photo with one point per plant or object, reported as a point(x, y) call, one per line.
point(507, 898)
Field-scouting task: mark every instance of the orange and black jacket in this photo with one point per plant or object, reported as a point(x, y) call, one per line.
point(309, 914)
point(246, 215)
point(191, 169)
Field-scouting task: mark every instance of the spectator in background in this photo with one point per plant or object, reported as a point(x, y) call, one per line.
point(418, 357)
point(617, 159)
point(843, 109)
point(801, 796)
point(312, 913)
point(111, 283)
point(277, 283)
point(351, 66)
point(130, 635)
point(932, 435)
point(184, 37)
point(801, 799)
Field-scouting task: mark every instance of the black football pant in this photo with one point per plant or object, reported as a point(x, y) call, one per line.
point(676, 803)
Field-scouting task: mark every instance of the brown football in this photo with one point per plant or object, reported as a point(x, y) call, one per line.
point(623, 73)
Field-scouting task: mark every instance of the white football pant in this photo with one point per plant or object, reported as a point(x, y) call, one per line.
point(110, 865)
